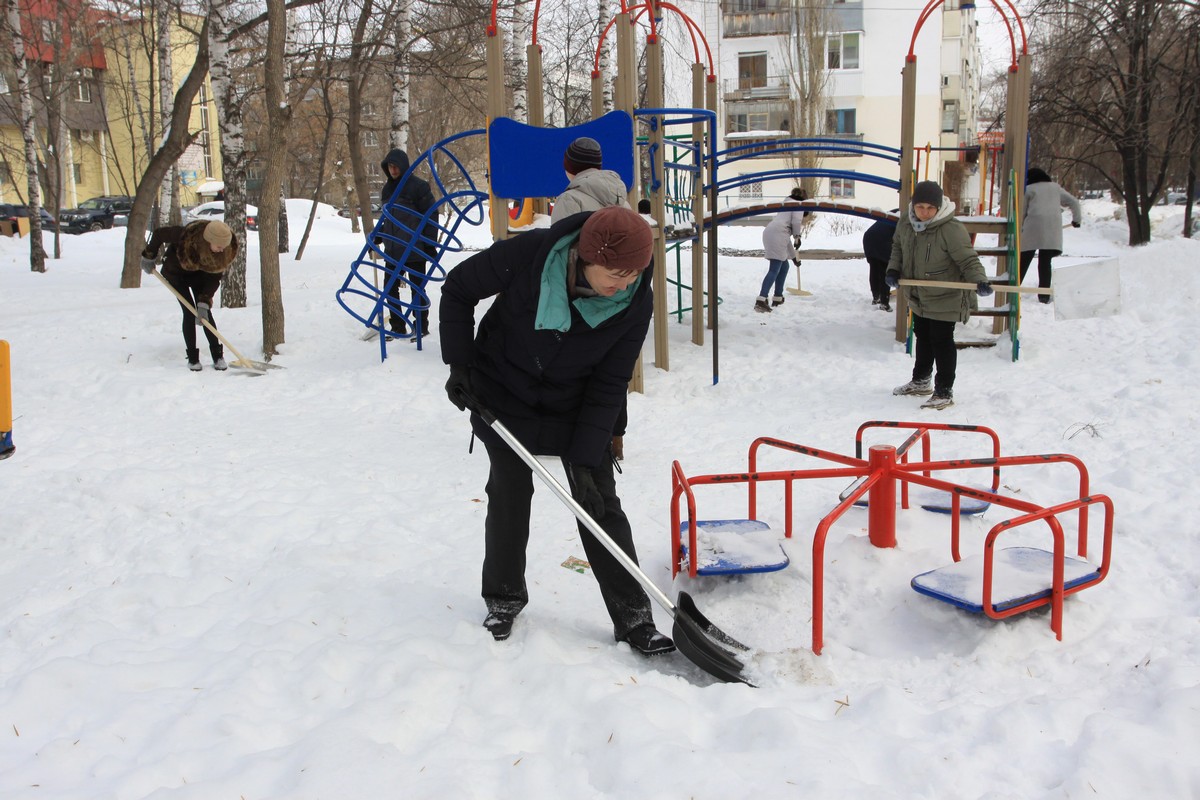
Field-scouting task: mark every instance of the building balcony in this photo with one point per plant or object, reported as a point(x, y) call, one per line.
point(772, 89)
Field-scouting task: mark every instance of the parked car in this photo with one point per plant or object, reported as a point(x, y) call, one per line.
point(1177, 198)
point(375, 209)
point(95, 214)
point(216, 210)
point(10, 212)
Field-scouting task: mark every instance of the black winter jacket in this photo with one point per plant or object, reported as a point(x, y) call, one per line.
point(558, 392)
point(414, 199)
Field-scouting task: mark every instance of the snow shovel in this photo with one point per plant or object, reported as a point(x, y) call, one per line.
point(257, 367)
point(703, 643)
point(1084, 290)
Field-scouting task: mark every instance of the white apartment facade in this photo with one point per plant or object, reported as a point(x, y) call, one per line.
point(864, 46)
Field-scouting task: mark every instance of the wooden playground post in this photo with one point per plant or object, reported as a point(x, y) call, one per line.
point(654, 96)
point(908, 113)
point(496, 110)
point(537, 105)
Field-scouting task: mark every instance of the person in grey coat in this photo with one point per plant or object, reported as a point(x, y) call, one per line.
point(591, 187)
point(781, 237)
point(1041, 225)
point(931, 244)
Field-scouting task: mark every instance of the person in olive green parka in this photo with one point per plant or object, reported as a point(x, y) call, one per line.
point(932, 245)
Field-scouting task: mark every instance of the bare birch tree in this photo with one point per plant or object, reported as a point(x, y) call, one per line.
point(12, 19)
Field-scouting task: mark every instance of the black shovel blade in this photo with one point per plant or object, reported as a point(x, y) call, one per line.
point(701, 649)
point(685, 603)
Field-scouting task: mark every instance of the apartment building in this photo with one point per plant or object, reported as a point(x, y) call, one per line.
point(98, 92)
point(777, 59)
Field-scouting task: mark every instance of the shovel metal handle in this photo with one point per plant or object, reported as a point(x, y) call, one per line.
point(565, 495)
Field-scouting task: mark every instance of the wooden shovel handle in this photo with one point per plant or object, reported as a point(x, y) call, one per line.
point(999, 287)
point(204, 321)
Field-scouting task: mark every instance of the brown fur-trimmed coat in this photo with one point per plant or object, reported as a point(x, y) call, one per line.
point(191, 257)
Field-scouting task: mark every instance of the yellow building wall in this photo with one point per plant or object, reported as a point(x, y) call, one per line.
point(112, 162)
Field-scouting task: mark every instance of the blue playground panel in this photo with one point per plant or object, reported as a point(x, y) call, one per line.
point(1019, 575)
point(527, 161)
point(937, 501)
point(734, 547)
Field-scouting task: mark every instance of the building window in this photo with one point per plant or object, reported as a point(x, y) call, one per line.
point(841, 187)
point(752, 70)
point(949, 116)
point(368, 110)
point(3, 84)
point(840, 120)
point(742, 6)
point(750, 191)
point(755, 121)
point(83, 85)
point(5, 174)
point(369, 139)
point(841, 51)
point(77, 171)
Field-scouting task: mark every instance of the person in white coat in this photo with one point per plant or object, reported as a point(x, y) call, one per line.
point(781, 237)
point(1041, 225)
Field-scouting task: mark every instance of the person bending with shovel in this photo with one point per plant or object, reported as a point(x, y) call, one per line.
point(552, 361)
point(198, 254)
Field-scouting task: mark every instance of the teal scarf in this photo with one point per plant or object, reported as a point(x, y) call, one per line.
point(554, 303)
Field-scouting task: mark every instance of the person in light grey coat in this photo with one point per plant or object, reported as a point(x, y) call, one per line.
point(781, 237)
point(591, 188)
point(1041, 225)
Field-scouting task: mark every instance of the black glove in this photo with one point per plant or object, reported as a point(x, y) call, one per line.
point(892, 279)
point(984, 289)
point(148, 265)
point(796, 242)
point(458, 387)
point(1074, 224)
point(203, 312)
point(583, 489)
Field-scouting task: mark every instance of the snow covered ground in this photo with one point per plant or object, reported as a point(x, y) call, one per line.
point(221, 586)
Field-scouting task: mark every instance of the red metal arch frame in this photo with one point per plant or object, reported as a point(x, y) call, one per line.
point(932, 5)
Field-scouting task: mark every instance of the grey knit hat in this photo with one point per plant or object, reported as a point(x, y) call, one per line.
point(583, 153)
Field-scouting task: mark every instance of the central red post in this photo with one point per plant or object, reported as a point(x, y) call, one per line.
point(881, 499)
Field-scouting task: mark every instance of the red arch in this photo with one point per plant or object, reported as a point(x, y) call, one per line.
point(932, 5)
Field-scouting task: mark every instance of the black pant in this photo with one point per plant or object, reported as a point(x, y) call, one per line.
point(1044, 259)
point(180, 281)
point(506, 534)
point(413, 273)
point(880, 291)
point(935, 345)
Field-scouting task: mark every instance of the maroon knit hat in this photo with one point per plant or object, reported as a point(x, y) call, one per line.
point(583, 153)
point(616, 238)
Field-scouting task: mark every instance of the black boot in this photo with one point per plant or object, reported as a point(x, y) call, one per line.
point(218, 357)
point(193, 357)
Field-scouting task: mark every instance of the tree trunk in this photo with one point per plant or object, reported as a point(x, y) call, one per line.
point(12, 18)
point(356, 67)
point(176, 141)
point(278, 117)
point(233, 149)
point(401, 79)
point(162, 17)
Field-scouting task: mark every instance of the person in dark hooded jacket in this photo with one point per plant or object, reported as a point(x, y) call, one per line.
point(552, 359)
point(400, 216)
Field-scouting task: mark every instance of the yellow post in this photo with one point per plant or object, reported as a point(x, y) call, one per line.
point(6, 444)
